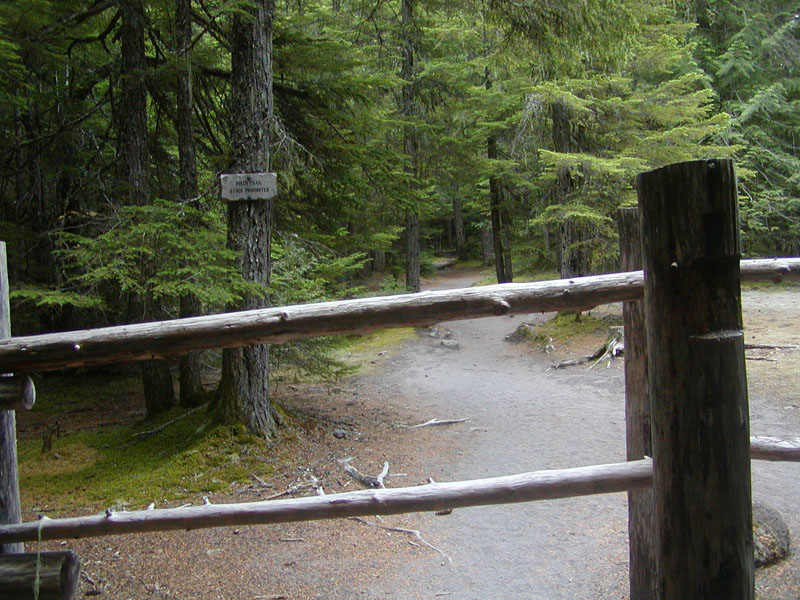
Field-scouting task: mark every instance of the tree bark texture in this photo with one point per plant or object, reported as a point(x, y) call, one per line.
point(500, 238)
point(458, 229)
point(487, 244)
point(243, 392)
point(10, 511)
point(697, 383)
point(132, 105)
point(40, 576)
point(573, 257)
point(159, 393)
point(410, 147)
point(53, 351)
point(641, 546)
point(412, 252)
point(191, 387)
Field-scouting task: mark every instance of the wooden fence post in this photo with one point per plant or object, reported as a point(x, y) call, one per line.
point(9, 483)
point(641, 547)
point(697, 383)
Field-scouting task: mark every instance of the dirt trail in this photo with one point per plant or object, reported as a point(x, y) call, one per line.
point(524, 417)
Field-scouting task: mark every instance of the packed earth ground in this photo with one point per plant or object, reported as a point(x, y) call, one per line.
point(522, 415)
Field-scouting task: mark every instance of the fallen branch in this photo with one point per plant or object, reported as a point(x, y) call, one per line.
point(613, 346)
point(772, 347)
point(291, 490)
point(163, 426)
point(366, 480)
point(260, 481)
point(382, 475)
point(413, 532)
point(436, 422)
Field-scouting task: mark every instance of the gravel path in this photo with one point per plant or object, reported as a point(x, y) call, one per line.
point(524, 417)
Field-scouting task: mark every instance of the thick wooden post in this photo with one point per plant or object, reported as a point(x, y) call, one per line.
point(642, 562)
point(697, 383)
point(9, 483)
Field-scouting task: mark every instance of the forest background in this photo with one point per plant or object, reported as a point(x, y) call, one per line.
point(501, 131)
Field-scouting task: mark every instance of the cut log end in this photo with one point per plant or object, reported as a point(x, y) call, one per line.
point(58, 575)
point(17, 393)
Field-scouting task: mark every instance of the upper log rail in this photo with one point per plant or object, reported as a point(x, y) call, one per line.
point(276, 325)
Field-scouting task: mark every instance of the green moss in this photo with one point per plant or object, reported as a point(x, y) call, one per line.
point(566, 325)
point(363, 350)
point(114, 467)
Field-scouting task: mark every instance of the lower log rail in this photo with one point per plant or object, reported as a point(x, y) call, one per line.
point(775, 448)
point(525, 487)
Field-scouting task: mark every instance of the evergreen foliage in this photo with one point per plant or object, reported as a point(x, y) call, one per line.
point(574, 99)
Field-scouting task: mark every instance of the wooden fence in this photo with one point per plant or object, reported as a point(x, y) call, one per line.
point(690, 297)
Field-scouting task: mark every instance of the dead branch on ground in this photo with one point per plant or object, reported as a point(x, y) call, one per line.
point(163, 426)
point(367, 481)
point(434, 422)
point(412, 532)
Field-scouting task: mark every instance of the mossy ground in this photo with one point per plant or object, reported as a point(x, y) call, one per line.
point(566, 326)
point(112, 467)
point(99, 461)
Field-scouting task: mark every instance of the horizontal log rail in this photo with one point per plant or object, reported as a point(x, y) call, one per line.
point(775, 448)
point(526, 487)
point(276, 325)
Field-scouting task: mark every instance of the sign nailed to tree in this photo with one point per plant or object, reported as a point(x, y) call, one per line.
point(249, 186)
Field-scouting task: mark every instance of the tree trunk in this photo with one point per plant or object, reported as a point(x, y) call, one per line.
point(378, 261)
point(191, 386)
point(412, 252)
point(458, 226)
point(697, 383)
point(243, 393)
point(159, 393)
point(502, 258)
point(487, 244)
point(10, 511)
point(407, 110)
point(641, 545)
point(574, 259)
